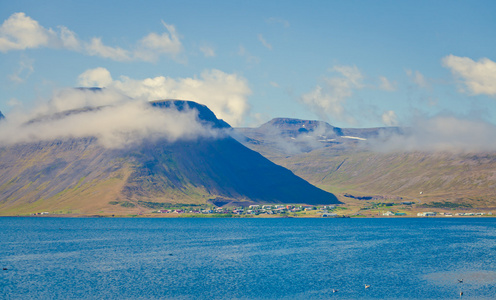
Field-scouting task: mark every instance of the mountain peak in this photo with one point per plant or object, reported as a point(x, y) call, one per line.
point(289, 122)
point(204, 113)
point(87, 177)
point(294, 127)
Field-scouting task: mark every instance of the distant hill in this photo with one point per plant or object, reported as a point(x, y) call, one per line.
point(339, 160)
point(80, 176)
point(286, 136)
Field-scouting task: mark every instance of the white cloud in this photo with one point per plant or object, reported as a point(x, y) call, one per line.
point(417, 78)
point(99, 77)
point(479, 77)
point(24, 71)
point(153, 45)
point(69, 39)
point(264, 42)
point(225, 94)
point(389, 118)
point(207, 51)
point(323, 103)
point(20, 32)
point(330, 98)
point(114, 126)
point(386, 85)
point(97, 48)
point(69, 99)
point(442, 133)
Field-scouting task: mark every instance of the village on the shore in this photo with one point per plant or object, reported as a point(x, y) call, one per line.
point(325, 211)
point(364, 209)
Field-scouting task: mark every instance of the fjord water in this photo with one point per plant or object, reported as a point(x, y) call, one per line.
point(104, 258)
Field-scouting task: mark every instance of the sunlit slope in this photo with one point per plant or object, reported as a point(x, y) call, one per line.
point(341, 160)
point(429, 176)
point(68, 176)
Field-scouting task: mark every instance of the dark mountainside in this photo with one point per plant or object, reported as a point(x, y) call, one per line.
point(340, 160)
point(220, 166)
point(80, 176)
point(205, 115)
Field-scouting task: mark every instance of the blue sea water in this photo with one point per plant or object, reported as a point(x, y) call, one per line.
point(106, 258)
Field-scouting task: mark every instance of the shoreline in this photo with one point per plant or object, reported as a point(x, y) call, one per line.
point(218, 216)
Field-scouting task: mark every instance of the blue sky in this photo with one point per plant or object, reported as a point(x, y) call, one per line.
point(350, 63)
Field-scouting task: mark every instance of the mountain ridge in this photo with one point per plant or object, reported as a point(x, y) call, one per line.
point(280, 137)
point(79, 175)
point(349, 165)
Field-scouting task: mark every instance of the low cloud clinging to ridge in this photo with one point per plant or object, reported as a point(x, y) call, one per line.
point(225, 94)
point(445, 133)
point(114, 119)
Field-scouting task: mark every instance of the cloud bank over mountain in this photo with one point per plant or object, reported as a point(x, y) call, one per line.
point(440, 134)
point(225, 94)
point(114, 119)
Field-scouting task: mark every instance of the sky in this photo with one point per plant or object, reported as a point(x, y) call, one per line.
point(349, 63)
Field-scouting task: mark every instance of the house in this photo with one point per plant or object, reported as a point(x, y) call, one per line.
point(426, 214)
point(329, 215)
point(388, 213)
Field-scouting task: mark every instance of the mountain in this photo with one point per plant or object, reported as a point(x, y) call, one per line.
point(341, 161)
point(286, 136)
point(79, 175)
point(205, 115)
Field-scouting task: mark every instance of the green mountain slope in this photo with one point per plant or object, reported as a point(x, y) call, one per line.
point(428, 176)
point(64, 176)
